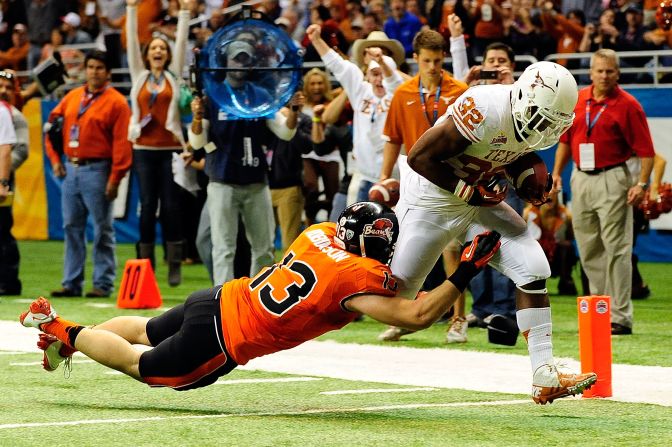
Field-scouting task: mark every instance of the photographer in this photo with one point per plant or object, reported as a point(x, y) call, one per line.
point(497, 68)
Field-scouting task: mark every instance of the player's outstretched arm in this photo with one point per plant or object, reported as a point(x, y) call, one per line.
point(428, 307)
point(435, 146)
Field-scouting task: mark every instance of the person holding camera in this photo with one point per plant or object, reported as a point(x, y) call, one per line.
point(237, 166)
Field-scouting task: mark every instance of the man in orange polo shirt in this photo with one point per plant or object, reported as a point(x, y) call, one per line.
point(420, 101)
point(97, 156)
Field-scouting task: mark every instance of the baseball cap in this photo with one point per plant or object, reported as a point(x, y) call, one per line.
point(71, 19)
point(236, 48)
point(20, 28)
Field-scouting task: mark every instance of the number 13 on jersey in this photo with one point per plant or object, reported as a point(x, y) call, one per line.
point(280, 290)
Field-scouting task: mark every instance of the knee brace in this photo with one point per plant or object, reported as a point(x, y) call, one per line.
point(537, 287)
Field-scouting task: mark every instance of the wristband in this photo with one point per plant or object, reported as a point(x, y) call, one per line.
point(643, 185)
point(317, 119)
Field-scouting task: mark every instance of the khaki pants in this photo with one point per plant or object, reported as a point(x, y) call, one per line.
point(288, 207)
point(602, 222)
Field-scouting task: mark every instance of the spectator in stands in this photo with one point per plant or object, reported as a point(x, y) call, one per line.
point(378, 8)
point(591, 8)
point(16, 57)
point(331, 33)
point(551, 225)
point(317, 90)
point(10, 284)
point(237, 168)
point(370, 96)
point(567, 31)
point(370, 23)
point(402, 25)
point(44, 16)
point(156, 133)
point(147, 13)
point(609, 126)
point(111, 17)
point(520, 30)
point(413, 8)
point(602, 35)
point(74, 35)
point(489, 17)
point(98, 155)
point(11, 12)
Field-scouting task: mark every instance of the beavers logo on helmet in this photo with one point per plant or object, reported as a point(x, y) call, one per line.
point(381, 228)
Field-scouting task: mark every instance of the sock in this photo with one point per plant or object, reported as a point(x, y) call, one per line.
point(464, 273)
point(535, 324)
point(64, 330)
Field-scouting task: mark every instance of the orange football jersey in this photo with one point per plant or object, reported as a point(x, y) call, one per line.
point(299, 298)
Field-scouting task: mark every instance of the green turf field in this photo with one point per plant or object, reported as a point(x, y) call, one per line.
point(97, 407)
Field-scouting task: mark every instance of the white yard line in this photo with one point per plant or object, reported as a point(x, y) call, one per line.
point(256, 415)
point(377, 391)
point(438, 367)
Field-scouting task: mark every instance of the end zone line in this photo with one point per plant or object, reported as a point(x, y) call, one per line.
point(417, 406)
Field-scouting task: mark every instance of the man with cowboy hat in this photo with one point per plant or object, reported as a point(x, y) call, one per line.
point(378, 39)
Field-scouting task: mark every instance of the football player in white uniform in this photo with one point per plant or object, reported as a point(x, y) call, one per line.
point(452, 188)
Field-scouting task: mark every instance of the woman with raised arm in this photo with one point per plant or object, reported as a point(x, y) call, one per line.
point(156, 132)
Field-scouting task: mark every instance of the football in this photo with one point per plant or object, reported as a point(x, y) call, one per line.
point(385, 192)
point(529, 176)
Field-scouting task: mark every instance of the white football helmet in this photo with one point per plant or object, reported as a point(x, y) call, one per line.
point(543, 102)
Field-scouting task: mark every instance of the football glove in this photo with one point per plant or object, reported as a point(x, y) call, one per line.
point(488, 194)
point(481, 250)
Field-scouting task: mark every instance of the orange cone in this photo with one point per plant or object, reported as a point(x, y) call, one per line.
point(138, 289)
point(595, 342)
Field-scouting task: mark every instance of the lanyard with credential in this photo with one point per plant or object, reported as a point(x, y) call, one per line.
point(590, 124)
point(436, 102)
point(154, 88)
point(87, 101)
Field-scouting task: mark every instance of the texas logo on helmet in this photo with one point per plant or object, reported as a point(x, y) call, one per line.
point(381, 228)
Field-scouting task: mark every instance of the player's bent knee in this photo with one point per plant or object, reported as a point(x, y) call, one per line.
point(537, 287)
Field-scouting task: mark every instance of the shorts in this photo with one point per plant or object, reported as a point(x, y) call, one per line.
point(189, 350)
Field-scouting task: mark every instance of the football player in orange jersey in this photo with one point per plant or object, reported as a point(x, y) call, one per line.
point(329, 274)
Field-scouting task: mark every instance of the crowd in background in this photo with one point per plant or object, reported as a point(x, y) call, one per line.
point(31, 29)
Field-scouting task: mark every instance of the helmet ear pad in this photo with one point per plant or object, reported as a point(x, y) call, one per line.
point(369, 230)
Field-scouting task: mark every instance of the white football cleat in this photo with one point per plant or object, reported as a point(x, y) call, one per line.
point(40, 312)
point(548, 383)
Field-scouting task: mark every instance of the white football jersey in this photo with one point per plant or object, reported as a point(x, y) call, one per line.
point(483, 116)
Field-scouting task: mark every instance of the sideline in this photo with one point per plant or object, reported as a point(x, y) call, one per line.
point(436, 367)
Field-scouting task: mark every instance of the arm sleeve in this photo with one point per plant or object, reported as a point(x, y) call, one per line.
point(393, 82)
point(7, 134)
point(200, 140)
point(177, 64)
point(636, 132)
point(347, 73)
point(122, 151)
point(53, 156)
point(20, 148)
point(278, 125)
point(458, 51)
point(394, 121)
point(135, 65)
